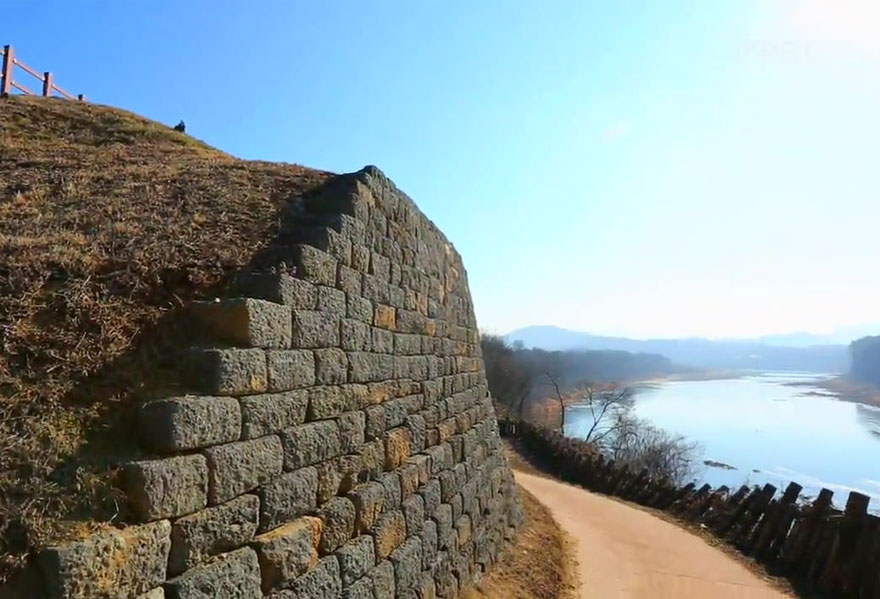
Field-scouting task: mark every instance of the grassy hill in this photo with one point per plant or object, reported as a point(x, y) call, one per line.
point(107, 222)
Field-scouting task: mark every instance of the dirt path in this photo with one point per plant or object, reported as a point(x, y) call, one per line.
point(625, 553)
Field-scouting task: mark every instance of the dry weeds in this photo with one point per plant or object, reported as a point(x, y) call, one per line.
point(107, 222)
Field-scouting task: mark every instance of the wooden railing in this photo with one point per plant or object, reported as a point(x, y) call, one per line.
point(822, 550)
point(8, 82)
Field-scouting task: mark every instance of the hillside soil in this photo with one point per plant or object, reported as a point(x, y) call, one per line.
point(538, 565)
point(108, 222)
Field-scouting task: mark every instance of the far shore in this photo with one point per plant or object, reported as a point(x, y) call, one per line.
point(845, 388)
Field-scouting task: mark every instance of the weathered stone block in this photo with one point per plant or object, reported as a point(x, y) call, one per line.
point(167, 488)
point(407, 562)
point(427, 588)
point(310, 443)
point(393, 492)
point(414, 514)
point(348, 280)
point(315, 329)
point(409, 478)
point(281, 289)
point(234, 575)
point(331, 301)
point(352, 426)
point(288, 551)
point(443, 517)
point(383, 580)
point(385, 317)
point(315, 266)
point(383, 341)
point(236, 468)
point(290, 369)
point(395, 412)
point(356, 559)
point(359, 308)
point(270, 413)
point(157, 593)
point(389, 531)
point(189, 422)
point(211, 531)
point(429, 543)
point(108, 564)
point(321, 582)
point(288, 496)
point(397, 447)
point(362, 589)
point(227, 371)
point(245, 322)
point(375, 422)
point(368, 500)
point(338, 515)
point(355, 335)
point(329, 402)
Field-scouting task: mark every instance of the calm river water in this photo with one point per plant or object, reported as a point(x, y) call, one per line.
point(769, 431)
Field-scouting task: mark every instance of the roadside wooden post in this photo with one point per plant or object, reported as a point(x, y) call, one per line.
point(8, 63)
point(47, 84)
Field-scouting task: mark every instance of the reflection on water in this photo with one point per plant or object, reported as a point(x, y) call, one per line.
point(769, 431)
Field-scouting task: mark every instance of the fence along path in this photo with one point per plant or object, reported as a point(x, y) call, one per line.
point(8, 82)
point(824, 551)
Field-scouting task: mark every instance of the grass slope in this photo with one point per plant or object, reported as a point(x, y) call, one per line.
point(107, 222)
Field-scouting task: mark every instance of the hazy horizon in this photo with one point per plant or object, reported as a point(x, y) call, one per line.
point(657, 169)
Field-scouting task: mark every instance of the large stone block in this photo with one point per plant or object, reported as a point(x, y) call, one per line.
point(313, 330)
point(362, 589)
point(352, 427)
point(397, 447)
point(167, 488)
point(389, 531)
point(245, 322)
point(368, 500)
point(288, 496)
point(359, 308)
point(234, 575)
point(211, 531)
point(271, 413)
point(338, 516)
point(356, 559)
point(382, 340)
point(290, 369)
point(329, 402)
point(407, 562)
point(355, 335)
point(331, 366)
point(227, 371)
point(315, 266)
point(181, 423)
point(383, 580)
point(281, 289)
point(236, 468)
point(414, 514)
point(321, 582)
point(108, 564)
point(310, 443)
point(288, 551)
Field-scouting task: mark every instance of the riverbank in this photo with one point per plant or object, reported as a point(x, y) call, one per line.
point(844, 388)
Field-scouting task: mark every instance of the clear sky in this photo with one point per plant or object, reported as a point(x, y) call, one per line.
point(642, 168)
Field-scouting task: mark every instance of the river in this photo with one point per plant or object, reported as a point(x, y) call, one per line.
point(768, 430)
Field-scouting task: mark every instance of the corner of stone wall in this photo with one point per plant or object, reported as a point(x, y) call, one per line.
point(337, 439)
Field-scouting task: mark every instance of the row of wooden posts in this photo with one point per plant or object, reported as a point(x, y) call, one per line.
point(823, 551)
point(8, 82)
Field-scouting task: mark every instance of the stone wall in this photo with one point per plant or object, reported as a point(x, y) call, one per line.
point(338, 440)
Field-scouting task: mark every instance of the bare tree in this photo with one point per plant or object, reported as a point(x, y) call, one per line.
point(562, 401)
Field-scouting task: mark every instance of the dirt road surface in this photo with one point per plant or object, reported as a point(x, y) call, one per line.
point(626, 553)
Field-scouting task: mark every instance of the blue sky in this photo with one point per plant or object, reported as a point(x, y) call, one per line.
point(646, 168)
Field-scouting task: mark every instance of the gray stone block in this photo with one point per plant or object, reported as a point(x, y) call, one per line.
point(288, 496)
point(290, 369)
point(355, 335)
point(356, 559)
point(310, 443)
point(180, 423)
point(227, 371)
point(329, 402)
point(352, 426)
point(270, 413)
point(211, 531)
point(359, 308)
point(315, 329)
point(245, 322)
point(321, 582)
point(338, 515)
point(315, 266)
point(362, 589)
point(234, 575)
point(383, 341)
point(414, 514)
point(236, 468)
point(167, 488)
point(443, 517)
point(157, 593)
point(375, 422)
point(409, 478)
point(331, 301)
point(429, 543)
point(393, 490)
point(368, 500)
point(108, 564)
point(281, 289)
point(383, 580)
point(395, 412)
point(288, 551)
point(348, 280)
point(407, 562)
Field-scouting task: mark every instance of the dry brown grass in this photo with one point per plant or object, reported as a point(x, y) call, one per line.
point(107, 222)
point(538, 565)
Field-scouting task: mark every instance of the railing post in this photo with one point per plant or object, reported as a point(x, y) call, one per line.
point(8, 64)
point(81, 98)
point(47, 84)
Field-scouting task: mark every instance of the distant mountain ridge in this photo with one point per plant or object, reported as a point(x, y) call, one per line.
point(767, 353)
